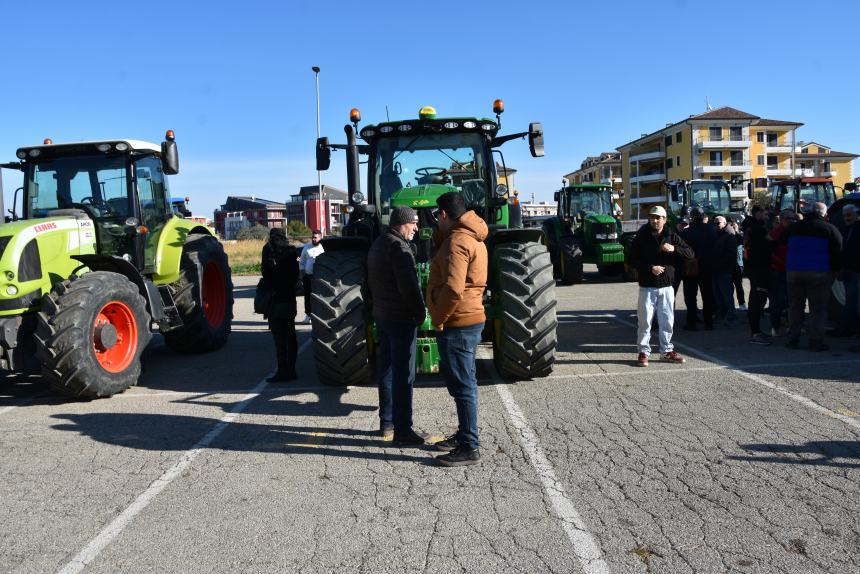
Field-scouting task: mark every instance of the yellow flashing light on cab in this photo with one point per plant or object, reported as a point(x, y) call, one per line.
point(427, 113)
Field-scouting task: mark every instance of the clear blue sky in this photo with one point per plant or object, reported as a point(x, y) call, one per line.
point(234, 79)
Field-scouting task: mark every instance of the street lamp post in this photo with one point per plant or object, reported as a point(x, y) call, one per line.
point(321, 210)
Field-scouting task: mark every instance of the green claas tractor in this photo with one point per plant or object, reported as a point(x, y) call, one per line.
point(412, 162)
point(584, 231)
point(97, 260)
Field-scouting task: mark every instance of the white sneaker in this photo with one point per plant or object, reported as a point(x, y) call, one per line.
point(774, 332)
point(742, 307)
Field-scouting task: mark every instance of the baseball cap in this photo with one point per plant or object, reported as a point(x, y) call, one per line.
point(658, 210)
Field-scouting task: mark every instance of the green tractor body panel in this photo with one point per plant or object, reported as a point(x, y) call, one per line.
point(420, 195)
point(36, 254)
point(169, 250)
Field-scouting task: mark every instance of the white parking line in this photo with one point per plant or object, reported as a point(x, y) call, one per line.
point(805, 401)
point(584, 545)
point(21, 403)
point(118, 524)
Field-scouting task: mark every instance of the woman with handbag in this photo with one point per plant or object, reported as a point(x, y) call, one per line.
point(280, 269)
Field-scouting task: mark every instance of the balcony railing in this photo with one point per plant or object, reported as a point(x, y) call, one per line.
point(649, 155)
point(644, 178)
point(724, 167)
point(722, 143)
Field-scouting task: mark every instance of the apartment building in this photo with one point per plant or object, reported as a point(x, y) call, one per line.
point(726, 144)
point(604, 168)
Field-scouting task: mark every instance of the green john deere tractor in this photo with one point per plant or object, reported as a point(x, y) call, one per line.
point(584, 231)
point(412, 162)
point(97, 259)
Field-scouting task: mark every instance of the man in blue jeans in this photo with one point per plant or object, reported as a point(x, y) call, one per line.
point(398, 308)
point(455, 288)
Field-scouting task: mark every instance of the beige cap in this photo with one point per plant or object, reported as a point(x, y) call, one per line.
point(658, 210)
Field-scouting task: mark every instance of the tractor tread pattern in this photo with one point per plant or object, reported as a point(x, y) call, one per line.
point(196, 335)
point(64, 334)
point(528, 321)
point(338, 319)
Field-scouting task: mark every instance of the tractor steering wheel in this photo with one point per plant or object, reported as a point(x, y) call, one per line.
point(98, 204)
point(432, 175)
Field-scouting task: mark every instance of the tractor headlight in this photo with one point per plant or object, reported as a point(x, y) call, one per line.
point(11, 290)
point(357, 197)
point(121, 146)
point(470, 125)
point(105, 147)
point(607, 236)
point(386, 129)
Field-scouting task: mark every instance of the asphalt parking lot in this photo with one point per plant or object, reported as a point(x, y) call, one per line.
point(744, 459)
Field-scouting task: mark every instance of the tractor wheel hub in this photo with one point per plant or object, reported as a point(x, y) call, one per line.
point(105, 337)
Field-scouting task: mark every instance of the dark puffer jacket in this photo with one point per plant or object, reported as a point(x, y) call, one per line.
point(280, 267)
point(645, 251)
point(395, 293)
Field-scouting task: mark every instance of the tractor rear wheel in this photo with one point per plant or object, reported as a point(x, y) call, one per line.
point(572, 266)
point(836, 302)
point(203, 296)
point(524, 333)
point(342, 339)
point(90, 335)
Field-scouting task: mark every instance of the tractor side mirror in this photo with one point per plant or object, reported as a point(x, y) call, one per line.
point(323, 154)
point(169, 157)
point(850, 187)
point(555, 197)
point(749, 190)
point(536, 139)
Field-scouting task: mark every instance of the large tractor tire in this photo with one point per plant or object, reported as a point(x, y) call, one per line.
point(836, 303)
point(90, 335)
point(203, 296)
point(524, 334)
point(342, 342)
point(572, 265)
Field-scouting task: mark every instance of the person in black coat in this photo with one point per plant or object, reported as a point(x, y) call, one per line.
point(398, 309)
point(654, 253)
point(701, 238)
point(758, 249)
point(725, 262)
point(280, 267)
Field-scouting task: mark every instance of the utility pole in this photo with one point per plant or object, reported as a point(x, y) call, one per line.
point(321, 209)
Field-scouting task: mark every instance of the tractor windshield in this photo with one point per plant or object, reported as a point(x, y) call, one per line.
point(592, 201)
point(807, 193)
point(712, 196)
point(451, 159)
point(97, 185)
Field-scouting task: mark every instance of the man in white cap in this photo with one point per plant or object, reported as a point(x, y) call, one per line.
point(654, 253)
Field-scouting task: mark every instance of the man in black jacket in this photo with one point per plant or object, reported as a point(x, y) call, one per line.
point(849, 323)
point(758, 249)
point(654, 253)
point(398, 309)
point(280, 267)
point(701, 238)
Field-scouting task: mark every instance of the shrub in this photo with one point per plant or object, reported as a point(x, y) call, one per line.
point(298, 229)
point(257, 232)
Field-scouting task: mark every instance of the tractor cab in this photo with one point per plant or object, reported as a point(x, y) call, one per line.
point(116, 190)
point(797, 194)
point(711, 195)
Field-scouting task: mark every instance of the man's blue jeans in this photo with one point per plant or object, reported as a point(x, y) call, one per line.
point(457, 346)
point(659, 301)
point(395, 368)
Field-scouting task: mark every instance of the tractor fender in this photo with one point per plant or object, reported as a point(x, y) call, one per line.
point(525, 235)
point(176, 233)
point(120, 266)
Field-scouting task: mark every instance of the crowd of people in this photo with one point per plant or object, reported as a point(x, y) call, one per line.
point(790, 259)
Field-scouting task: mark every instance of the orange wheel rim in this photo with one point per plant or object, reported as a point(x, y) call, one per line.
point(214, 295)
point(115, 336)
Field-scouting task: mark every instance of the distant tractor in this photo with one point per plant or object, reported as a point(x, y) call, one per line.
point(584, 231)
point(412, 162)
point(797, 194)
point(97, 259)
point(713, 196)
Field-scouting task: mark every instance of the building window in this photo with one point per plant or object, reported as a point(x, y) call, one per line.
point(669, 163)
point(715, 134)
point(759, 137)
point(668, 141)
point(772, 162)
point(678, 161)
point(716, 158)
point(678, 137)
point(826, 166)
point(772, 139)
point(736, 134)
point(761, 182)
point(737, 158)
point(759, 159)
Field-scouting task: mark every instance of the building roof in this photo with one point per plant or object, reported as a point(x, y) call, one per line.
point(830, 154)
point(766, 122)
point(328, 192)
point(254, 200)
point(725, 113)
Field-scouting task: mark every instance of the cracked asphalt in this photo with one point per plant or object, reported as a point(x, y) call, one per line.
point(744, 459)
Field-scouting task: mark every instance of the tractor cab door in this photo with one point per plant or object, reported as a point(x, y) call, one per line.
point(155, 209)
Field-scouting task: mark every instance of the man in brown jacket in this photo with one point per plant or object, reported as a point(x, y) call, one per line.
point(455, 288)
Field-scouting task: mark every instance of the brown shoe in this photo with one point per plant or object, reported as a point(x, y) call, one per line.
point(674, 357)
point(643, 360)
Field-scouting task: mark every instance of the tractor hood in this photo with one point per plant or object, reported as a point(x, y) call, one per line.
point(420, 196)
point(33, 250)
point(599, 217)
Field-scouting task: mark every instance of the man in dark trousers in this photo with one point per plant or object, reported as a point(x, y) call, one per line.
point(758, 249)
point(814, 256)
point(725, 262)
point(280, 268)
point(654, 253)
point(398, 309)
point(701, 238)
point(455, 289)
point(849, 323)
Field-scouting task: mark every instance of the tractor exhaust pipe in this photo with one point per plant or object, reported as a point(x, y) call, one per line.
point(353, 175)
